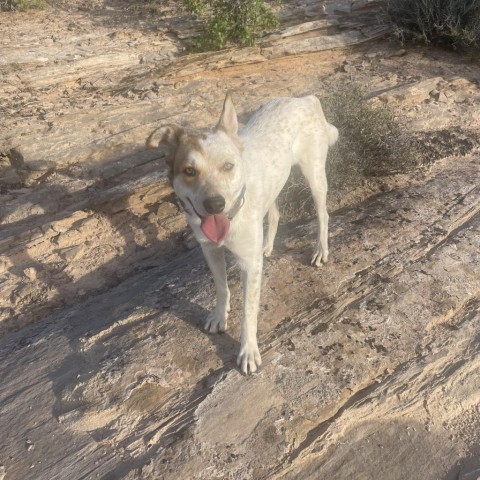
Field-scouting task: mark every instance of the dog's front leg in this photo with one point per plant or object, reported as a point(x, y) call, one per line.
point(249, 356)
point(217, 318)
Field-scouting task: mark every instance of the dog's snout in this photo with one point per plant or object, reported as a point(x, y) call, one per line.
point(214, 205)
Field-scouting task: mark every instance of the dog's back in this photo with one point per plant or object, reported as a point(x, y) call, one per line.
point(285, 132)
point(285, 118)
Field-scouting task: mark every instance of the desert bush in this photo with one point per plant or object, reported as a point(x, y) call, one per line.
point(21, 5)
point(239, 22)
point(453, 22)
point(371, 143)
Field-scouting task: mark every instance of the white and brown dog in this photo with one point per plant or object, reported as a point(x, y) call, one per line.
point(228, 181)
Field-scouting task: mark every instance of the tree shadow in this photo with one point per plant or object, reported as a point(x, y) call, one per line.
point(50, 285)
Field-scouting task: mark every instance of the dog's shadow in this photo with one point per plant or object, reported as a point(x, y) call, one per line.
point(195, 315)
point(109, 335)
point(186, 306)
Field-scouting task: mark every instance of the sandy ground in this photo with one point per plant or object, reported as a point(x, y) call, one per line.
point(370, 363)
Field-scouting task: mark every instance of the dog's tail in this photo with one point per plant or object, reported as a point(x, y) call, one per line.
point(332, 134)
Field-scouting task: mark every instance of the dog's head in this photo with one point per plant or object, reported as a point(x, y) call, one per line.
point(206, 170)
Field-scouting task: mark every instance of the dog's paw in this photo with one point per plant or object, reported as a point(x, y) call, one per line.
point(249, 358)
point(267, 250)
point(216, 321)
point(319, 257)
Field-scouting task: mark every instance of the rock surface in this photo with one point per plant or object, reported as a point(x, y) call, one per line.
point(370, 363)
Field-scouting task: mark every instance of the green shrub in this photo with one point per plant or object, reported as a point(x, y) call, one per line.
point(239, 22)
point(453, 22)
point(21, 5)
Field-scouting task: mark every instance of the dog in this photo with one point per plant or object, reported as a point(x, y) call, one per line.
point(228, 181)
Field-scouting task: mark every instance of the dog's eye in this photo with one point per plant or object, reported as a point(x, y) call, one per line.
point(227, 167)
point(190, 172)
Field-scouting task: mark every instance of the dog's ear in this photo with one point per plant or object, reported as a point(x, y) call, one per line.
point(228, 120)
point(168, 135)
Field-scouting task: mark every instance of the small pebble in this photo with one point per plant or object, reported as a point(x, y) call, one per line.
point(30, 273)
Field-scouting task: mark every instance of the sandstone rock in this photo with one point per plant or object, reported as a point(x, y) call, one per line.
point(373, 357)
point(412, 92)
point(316, 44)
point(349, 361)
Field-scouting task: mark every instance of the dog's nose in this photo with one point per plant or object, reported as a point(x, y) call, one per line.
point(214, 205)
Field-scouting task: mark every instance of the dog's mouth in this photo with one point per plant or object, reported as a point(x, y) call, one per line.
point(216, 227)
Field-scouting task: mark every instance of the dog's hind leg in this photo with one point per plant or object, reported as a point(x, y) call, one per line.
point(217, 318)
point(313, 168)
point(273, 217)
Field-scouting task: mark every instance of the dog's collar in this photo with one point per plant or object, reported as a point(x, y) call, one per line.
point(233, 211)
point(238, 204)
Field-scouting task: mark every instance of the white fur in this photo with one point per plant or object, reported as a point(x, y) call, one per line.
point(285, 132)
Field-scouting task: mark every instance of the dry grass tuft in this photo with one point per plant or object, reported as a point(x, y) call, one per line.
point(447, 22)
point(371, 143)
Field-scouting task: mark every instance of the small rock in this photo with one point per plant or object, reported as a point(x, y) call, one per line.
point(59, 228)
point(29, 445)
point(152, 218)
point(397, 53)
point(2, 472)
point(71, 253)
point(348, 69)
point(190, 241)
point(150, 95)
point(442, 98)
point(461, 97)
point(65, 240)
point(30, 273)
point(166, 210)
point(392, 77)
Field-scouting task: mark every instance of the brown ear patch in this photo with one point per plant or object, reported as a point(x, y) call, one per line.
point(178, 142)
point(187, 143)
point(167, 135)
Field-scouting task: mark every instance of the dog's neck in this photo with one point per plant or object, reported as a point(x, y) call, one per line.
point(238, 204)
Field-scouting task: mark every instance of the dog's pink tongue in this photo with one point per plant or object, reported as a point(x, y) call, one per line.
point(215, 227)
